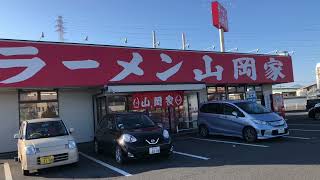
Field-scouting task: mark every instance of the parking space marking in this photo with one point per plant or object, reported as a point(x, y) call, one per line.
point(295, 137)
point(7, 171)
point(231, 142)
point(191, 155)
point(106, 165)
point(304, 124)
point(306, 130)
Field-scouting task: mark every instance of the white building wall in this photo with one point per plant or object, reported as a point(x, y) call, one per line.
point(76, 110)
point(203, 97)
point(267, 90)
point(9, 120)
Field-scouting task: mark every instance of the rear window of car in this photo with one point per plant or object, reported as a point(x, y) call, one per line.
point(213, 108)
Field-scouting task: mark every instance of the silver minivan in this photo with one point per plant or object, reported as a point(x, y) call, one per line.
point(245, 119)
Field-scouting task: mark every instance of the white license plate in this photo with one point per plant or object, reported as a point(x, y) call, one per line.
point(281, 131)
point(154, 150)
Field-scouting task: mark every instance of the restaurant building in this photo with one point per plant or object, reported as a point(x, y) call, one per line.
point(82, 83)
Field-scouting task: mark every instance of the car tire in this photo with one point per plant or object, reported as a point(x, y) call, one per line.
point(249, 134)
point(97, 149)
point(203, 131)
point(119, 155)
point(317, 116)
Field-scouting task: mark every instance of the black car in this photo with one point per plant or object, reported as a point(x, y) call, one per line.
point(314, 112)
point(311, 102)
point(131, 136)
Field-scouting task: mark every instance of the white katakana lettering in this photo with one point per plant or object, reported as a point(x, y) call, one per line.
point(163, 76)
point(32, 66)
point(245, 66)
point(273, 69)
point(81, 64)
point(129, 67)
point(199, 75)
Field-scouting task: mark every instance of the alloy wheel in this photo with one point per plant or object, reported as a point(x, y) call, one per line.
point(203, 131)
point(250, 134)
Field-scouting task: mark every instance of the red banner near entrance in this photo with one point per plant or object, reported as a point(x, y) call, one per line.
point(42, 64)
point(157, 99)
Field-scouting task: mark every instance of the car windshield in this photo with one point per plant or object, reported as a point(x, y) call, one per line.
point(45, 130)
point(252, 108)
point(134, 121)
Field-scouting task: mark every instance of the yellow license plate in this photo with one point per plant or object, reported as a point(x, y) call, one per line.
point(46, 160)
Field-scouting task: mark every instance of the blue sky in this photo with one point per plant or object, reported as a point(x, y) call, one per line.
point(290, 25)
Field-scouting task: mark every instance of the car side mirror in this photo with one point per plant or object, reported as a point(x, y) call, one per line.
point(16, 136)
point(234, 113)
point(71, 130)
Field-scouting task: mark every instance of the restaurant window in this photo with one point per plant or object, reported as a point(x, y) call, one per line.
point(117, 104)
point(216, 93)
point(38, 104)
point(236, 93)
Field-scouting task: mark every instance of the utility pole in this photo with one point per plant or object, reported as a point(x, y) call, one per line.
point(154, 40)
point(183, 41)
point(60, 28)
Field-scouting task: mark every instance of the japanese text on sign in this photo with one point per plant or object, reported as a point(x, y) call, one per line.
point(157, 99)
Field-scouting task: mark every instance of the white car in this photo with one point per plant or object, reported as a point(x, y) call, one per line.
point(44, 143)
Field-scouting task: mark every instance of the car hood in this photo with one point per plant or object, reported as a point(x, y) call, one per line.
point(49, 142)
point(143, 132)
point(266, 117)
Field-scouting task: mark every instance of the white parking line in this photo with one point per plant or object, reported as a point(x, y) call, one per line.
point(231, 142)
point(304, 124)
point(7, 171)
point(294, 137)
point(307, 130)
point(106, 165)
point(191, 155)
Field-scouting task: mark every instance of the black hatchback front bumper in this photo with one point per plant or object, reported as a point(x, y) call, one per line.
point(131, 151)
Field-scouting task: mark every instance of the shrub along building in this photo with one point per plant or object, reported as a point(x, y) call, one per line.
point(82, 83)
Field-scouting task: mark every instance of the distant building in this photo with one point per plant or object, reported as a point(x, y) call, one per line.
point(285, 91)
point(309, 91)
point(318, 75)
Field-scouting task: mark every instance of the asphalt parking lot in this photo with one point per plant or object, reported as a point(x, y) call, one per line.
point(293, 157)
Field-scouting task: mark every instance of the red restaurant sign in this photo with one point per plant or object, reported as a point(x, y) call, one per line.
point(157, 99)
point(43, 64)
point(219, 16)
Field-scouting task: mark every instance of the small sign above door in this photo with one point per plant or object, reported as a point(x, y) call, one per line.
point(164, 99)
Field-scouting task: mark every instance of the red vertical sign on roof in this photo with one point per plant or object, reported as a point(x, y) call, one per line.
point(219, 16)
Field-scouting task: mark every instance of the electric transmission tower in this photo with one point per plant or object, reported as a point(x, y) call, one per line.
point(60, 28)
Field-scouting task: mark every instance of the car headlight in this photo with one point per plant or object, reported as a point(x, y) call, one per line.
point(30, 150)
point(259, 122)
point(127, 138)
point(72, 144)
point(165, 134)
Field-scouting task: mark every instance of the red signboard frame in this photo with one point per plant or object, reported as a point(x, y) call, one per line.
point(219, 16)
point(43, 64)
